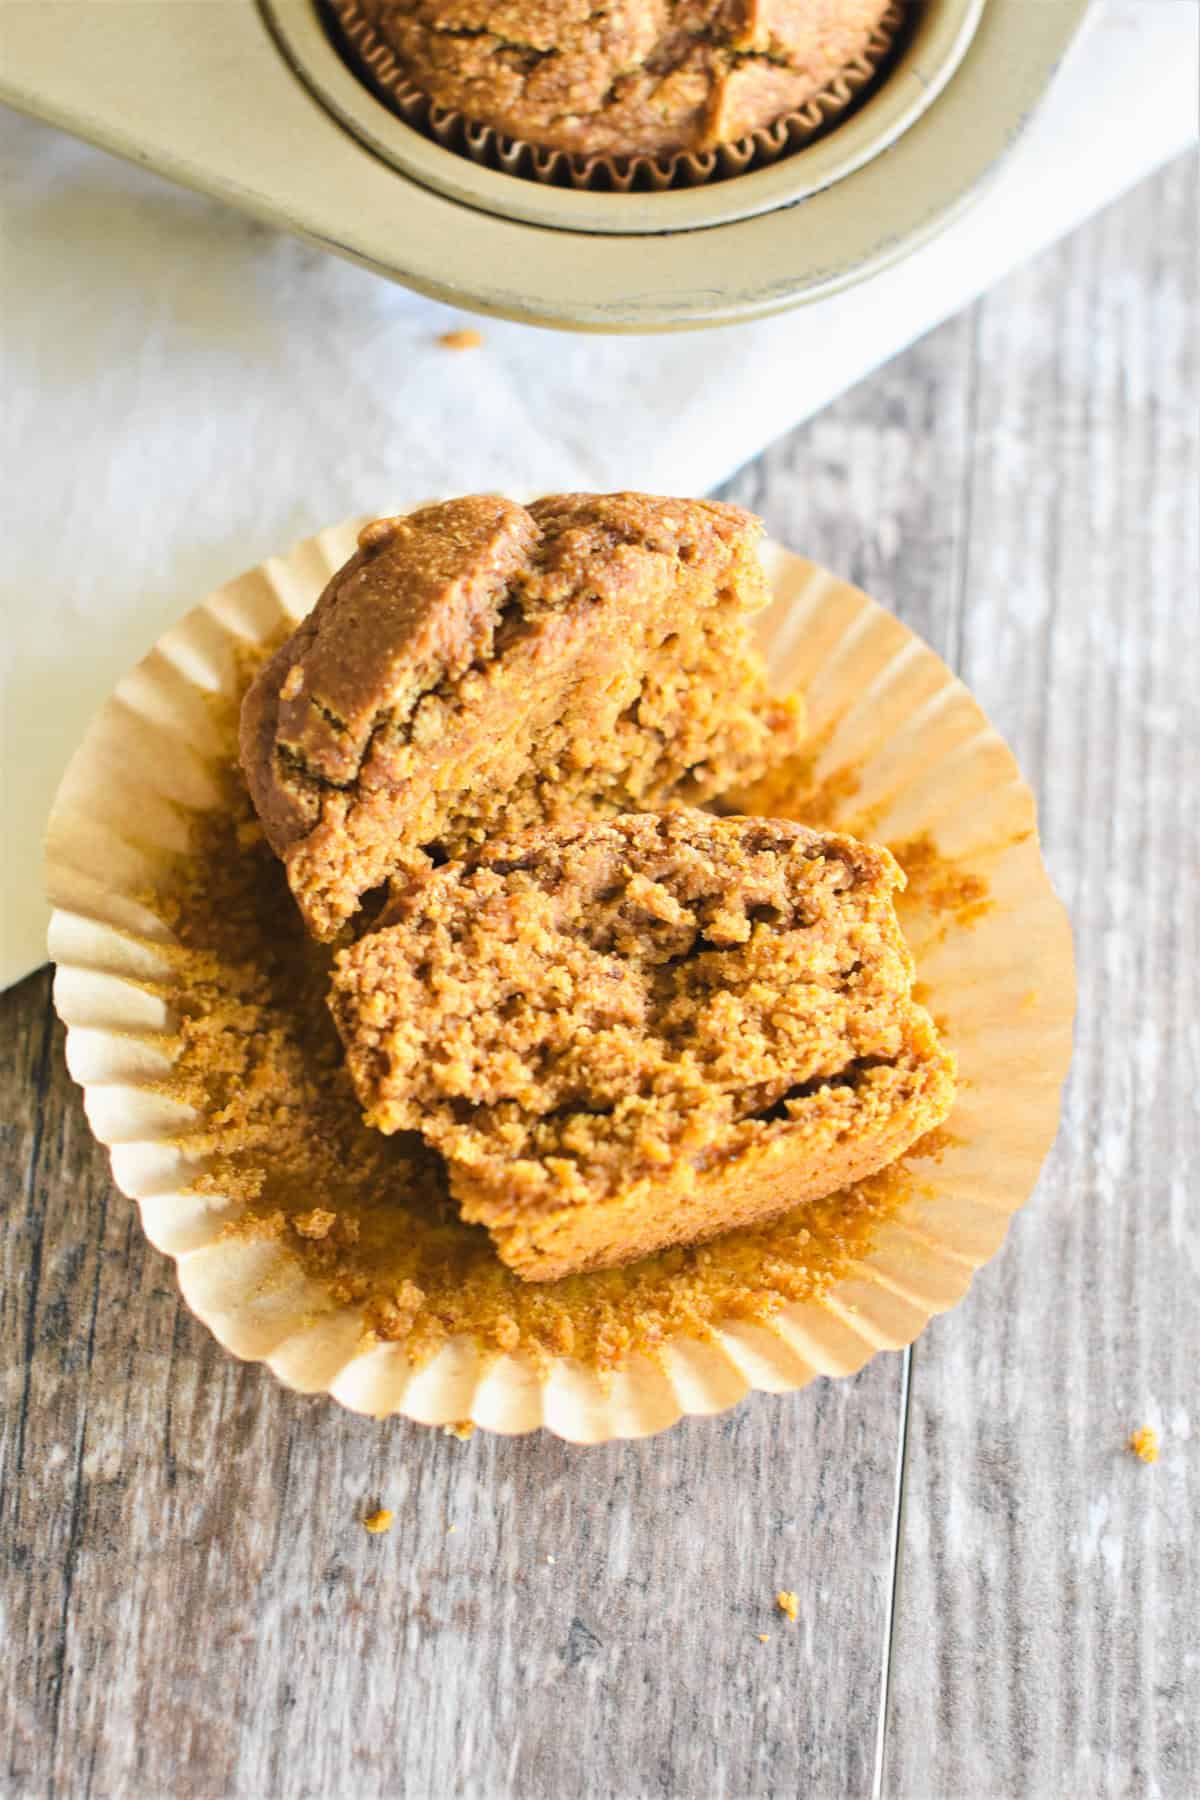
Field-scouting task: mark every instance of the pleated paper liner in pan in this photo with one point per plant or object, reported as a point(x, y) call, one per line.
point(900, 753)
point(373, 59)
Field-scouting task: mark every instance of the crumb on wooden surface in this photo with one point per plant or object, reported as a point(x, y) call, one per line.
point(463, 339)
point(764, 1637)
point(788, 1604)
point(461, 1428)
point(1144, 1443)
point(379, 1520)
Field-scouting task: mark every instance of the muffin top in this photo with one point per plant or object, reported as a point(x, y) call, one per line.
point(480, 665)
point(627, 78)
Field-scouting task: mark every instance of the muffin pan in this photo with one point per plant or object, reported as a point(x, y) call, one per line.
point(263, 114)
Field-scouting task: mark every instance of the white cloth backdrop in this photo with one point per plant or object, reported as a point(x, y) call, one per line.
point(185, 392)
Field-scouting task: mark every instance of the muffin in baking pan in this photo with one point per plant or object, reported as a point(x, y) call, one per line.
point(679, 90)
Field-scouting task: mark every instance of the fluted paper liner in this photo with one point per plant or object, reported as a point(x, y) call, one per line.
point(904, 751)
point(373, 59)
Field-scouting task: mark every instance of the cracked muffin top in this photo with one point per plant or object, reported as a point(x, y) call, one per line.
point(481, 666)
point(644, 1030)
point(632, 77)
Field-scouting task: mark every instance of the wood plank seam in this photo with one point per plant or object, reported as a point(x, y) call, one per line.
point(879, 1779)
point(41, 1084)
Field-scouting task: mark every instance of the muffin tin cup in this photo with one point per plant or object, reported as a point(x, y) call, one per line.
point(373, 59)
point(904, 751)
point(916, 52)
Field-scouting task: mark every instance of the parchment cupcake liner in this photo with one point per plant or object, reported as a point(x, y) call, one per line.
point(906, 756)
point(374, 61)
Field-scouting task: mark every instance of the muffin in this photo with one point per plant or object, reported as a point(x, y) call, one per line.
point(646, 1031)
point(635, 78)
point(482, 666)
point(333, 1252)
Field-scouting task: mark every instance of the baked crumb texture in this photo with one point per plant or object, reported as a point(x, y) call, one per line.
point(635, 77)
point(379, 1521)
point(1144, 1443)
point(480, 665)
point(462, 339)
point(629, 1034)
point(788, 1604)
point(281, 1136)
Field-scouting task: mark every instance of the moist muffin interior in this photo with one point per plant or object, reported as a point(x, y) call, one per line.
point(632, 1033)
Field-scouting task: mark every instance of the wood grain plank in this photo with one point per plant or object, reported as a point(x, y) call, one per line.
point(32, 1633)
point(1045, 1629)
point(51, 1253)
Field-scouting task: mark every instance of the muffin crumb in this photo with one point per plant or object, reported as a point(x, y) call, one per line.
point(461, 1429)
point(941, 884)
point(1144, 1444)
point(461, 340)
point(379, 1520)
point(788, 1604)
point(764, 1637)
point(317, 1223)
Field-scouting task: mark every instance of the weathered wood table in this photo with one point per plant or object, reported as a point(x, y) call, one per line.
point(996, 1598)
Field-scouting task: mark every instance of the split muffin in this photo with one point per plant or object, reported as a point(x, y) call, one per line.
point(633, 78)
point(632, 1033)
point(481, 666)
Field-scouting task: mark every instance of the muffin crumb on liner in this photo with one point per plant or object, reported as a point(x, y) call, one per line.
point(899, 751)
point(374, 62)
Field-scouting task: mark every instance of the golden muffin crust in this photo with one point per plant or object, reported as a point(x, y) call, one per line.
point(646, 1031)
point(631, 77)
point(480, 665)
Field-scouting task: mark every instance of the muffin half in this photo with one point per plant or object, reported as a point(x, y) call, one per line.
point(643, 1032)
point(482, 666)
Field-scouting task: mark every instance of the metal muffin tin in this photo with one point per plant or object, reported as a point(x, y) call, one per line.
point(261, 112)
